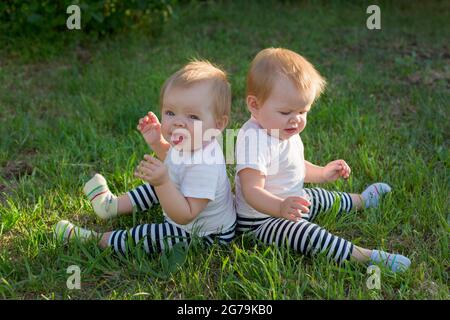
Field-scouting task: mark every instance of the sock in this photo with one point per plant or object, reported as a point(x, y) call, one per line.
point(103, 201)
point(371, 196)
point(396, 262)
point(64, 230)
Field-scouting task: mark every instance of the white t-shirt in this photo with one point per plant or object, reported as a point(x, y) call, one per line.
point(281, 161)
point(202, 174)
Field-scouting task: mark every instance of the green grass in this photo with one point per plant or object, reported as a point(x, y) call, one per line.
point(72, 112)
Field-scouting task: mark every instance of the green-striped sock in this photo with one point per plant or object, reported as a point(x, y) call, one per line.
point(64, 230)
point(103, 201)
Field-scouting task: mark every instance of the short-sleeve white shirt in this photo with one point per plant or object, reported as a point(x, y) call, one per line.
point(202, 174)
point(281, 161)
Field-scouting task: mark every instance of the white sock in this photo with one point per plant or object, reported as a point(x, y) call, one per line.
point(371, 196)
point(103, 201)
point(64, 230)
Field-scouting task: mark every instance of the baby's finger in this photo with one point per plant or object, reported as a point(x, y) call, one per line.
point(300, 207)
point(335, 166)
point(302, 200)
point(140, 175)
point(152, 166)
point(293, 217)
point(153, 160)
point(144, 169)
point(148, 165)
point(153, 118)
point(148, 158)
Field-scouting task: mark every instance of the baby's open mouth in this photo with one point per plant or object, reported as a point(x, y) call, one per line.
point(291, 130)
point(177, 139)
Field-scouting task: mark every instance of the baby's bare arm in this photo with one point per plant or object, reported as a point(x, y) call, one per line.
point(161, 147)
point(252, 183)
point(331, 172)
point(313, 173)
point(180, 209)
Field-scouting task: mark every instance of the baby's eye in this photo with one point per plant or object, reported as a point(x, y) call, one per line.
point(284, 113)
point(169, 113)
point(194, 117)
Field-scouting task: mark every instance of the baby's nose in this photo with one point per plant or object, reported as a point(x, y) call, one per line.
point(296, 119)
point(179, 123)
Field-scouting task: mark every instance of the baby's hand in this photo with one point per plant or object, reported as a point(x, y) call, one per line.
point(335, 170)
point(150, 128)
point(292, 207)
point(152, 170)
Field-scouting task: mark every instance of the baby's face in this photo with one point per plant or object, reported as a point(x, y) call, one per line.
point(284, 112)
point(185, 109)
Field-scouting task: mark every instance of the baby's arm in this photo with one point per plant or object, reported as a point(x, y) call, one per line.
point(331, 172)
point(180, 209)
point(150, 129)
point(252, 183)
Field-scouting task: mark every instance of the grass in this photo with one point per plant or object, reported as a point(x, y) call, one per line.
point(65, 115)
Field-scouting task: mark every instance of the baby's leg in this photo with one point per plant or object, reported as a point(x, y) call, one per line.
point(323, 200)
point(107, 205)
point(304, 237)
point(310, 239)
point(159, 237)
point(154, 237)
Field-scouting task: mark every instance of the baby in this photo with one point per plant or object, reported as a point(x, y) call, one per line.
point(271, 201)
point(188, 178)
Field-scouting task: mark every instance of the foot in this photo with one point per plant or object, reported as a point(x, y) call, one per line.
point(395, 262)
point(103, 201)
point(65, 231)
point(371, 196)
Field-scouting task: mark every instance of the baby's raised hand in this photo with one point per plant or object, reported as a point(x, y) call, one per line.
point(335, 170)
point(292, 207)
point(150, 128)
point(152, 170)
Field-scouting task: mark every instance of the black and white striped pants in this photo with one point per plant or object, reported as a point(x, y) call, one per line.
point(157, 237)
point(303, 236)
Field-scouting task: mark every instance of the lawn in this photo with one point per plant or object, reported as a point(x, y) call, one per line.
point(69, 113)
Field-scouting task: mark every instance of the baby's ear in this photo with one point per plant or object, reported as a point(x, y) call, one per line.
point(222, 123)
point(252, 104)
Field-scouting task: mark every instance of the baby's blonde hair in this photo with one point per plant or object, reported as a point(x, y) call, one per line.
point(202, 70)
point(272, 62)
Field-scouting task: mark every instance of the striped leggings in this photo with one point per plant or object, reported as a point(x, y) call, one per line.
point(157, 237)
point(303, 236)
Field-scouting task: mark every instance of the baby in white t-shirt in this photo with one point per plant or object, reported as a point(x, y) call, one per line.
point(188, 178)
point(271, 202)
